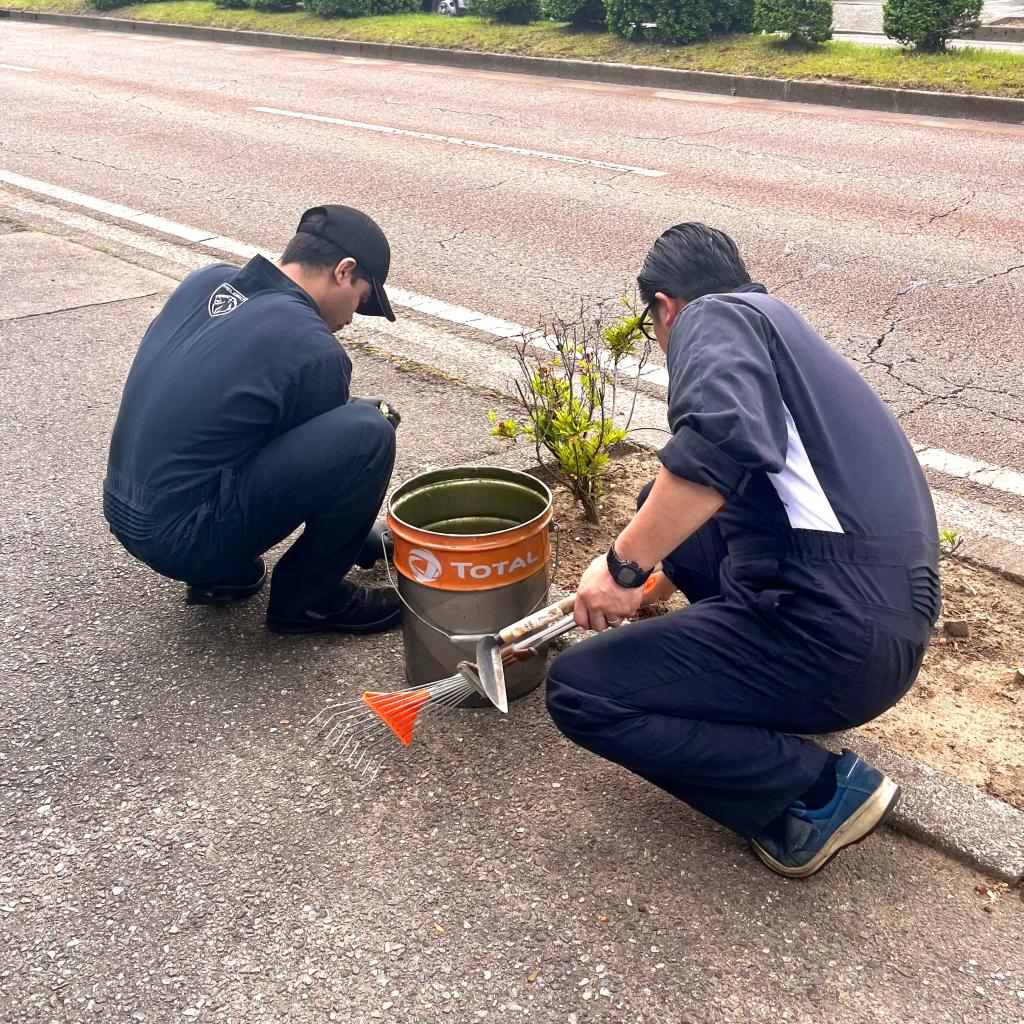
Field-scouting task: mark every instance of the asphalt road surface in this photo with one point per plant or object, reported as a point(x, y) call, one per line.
point(174, 846)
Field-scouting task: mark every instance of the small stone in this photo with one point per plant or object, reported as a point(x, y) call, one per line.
point(1019, 677)
point(959, 629)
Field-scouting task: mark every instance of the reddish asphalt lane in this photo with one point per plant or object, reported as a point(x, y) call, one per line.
point(902, 239)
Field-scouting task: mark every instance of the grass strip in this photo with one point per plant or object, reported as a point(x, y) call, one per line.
point(970, 71)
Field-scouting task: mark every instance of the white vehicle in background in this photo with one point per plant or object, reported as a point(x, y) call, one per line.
point(452, 8)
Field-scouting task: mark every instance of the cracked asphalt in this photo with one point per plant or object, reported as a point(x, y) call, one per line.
point(901, 238)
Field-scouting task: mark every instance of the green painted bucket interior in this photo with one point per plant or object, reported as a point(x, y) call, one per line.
point(470, 501)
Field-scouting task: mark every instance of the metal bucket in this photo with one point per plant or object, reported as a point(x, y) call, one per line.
point(473, 554)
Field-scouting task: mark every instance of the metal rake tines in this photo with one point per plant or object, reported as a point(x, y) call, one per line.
point(356, 728)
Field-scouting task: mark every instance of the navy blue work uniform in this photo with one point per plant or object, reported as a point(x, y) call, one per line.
point(812, 591)
point(236, 426)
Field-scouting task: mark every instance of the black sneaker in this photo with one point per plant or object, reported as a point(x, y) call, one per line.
point(352, 610)
point(244, 584)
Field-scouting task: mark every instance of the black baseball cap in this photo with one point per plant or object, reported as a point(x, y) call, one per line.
point(360, 237)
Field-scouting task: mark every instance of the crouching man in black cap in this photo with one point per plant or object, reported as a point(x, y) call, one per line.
point(236, 426)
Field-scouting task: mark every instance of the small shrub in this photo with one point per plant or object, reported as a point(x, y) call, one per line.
point(511, 12)
point(395, 6)
point(806, 21)
point(929, 24)
point(108, 5)
point(338, 8)
point(569, 399)
point(271, 5)
point(232, 4)
point(579, 13)
point(678, 21)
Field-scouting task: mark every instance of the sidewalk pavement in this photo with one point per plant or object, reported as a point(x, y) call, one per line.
point(860, 21)
point(174, 844)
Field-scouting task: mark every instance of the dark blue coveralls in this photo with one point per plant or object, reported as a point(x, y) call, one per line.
point(236, 427)
point(813, 590)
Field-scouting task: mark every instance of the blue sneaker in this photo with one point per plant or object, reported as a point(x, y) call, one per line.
point(808, 839)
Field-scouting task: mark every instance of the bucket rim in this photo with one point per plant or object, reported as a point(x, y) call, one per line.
point(512, 475)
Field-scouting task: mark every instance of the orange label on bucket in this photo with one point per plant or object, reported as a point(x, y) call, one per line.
point(466, 568)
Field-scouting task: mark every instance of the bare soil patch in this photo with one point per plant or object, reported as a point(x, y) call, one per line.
point(963, 716)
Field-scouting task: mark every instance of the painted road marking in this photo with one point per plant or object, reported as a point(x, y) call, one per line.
point(472, 143)
point(16, 67)
point(984, 474)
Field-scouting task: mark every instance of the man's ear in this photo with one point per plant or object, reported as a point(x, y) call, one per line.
point(672, 306)
point(344, 269)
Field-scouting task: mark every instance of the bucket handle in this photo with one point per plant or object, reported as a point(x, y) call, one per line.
point(386, 537)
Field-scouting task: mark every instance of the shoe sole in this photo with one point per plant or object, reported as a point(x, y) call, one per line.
point(305, 627)
point(221, 596)
point(861, 824)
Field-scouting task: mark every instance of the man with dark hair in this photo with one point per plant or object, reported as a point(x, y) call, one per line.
point(236, 427)
point(792, 513)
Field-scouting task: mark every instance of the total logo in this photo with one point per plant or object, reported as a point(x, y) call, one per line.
point(424, 565)
point(485, 572)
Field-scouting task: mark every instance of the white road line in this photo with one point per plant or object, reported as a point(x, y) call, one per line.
point(974, 470)
point(16, 67)
point(146, 220)
point(985, 474)
point(472, 143)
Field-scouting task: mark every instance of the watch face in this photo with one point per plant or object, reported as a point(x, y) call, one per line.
point(627, 575)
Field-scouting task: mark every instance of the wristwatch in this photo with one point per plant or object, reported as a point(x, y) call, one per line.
point(625, 573)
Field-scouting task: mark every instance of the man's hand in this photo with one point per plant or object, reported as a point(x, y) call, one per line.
point(386, 409)
point(390, 413)
point(600, 601)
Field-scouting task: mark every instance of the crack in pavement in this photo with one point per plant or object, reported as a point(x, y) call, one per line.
point(84, 305)
point(961, 205)
point(986, 278)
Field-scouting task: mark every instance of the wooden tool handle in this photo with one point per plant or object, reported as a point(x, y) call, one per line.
point(538, 620)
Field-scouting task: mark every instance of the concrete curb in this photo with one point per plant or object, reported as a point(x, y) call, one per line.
point(958, 819)
point(834, 94)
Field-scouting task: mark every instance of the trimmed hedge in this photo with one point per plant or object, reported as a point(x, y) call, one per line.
point(396, 6)
point(806, 21)
point(678, 21)
point(579, 13)
point(338, 8)
point(734, 16)
point(511, 12)
point(928, 24)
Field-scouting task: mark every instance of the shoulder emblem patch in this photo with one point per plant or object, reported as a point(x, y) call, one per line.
point(224, 300)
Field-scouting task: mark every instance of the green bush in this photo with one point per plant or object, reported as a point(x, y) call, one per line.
point(579, 13)
point(338, 8)
point(734, 16)
point(806, 21)
point(512, 12)
point(107, 5)
point(234, 4)
point(928, 24)
point(395, 6)
point(678, 21)
point(271, 5)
